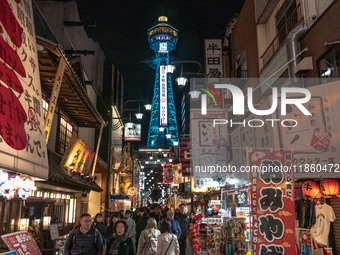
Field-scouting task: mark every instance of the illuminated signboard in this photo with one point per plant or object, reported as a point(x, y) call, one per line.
point(132, 134)
point(163, 96)
point(163, 48)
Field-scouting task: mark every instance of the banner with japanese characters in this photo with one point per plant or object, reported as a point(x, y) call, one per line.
point(213, 58)
point(185, 155)
point(168, 174)
point(272, 203)
point(177, 171)
point(78, 156)
point(22, 138)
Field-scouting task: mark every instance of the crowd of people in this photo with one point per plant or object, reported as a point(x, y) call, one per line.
point(149, 230)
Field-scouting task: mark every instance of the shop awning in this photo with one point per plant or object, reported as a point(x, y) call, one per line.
point(73, 95)
point(118, 197)
point(59, 177)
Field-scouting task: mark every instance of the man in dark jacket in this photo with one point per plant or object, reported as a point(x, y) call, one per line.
point(141, 225)
point(84, 239)
point(184, 222)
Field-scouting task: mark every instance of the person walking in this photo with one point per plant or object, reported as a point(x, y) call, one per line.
point(141, 225)
point(110, 233)
point(85, 239)
point(120, 244)
point(167, 243)
point(184, 223)
point(98, 223)
point(147, 244)
point(131, 232)
point(175, 227)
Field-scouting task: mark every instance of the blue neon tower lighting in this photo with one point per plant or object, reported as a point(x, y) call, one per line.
point(163, 130)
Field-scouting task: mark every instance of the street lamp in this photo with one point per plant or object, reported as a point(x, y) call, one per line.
point(175, 143)
point(194, 94)
point(170, 68)
point(181, 81)
point(148, 107)
point(168, 136)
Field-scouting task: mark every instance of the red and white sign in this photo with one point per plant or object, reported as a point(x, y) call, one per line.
point(272, 203)
point(163, 96)
point(133, 134)
point(22, 138)
point(168, 174)
point(22, 242)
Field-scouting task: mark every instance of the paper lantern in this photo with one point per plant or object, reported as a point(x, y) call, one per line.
point(329, 187)
point(27, 184)
point(318, 194)
point(310, 188)
point(3, 176)
point(8, 186)
point(8, 195)
point(17, 181)
point(23, 194)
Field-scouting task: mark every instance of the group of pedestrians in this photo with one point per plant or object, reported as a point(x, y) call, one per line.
point(148, 231)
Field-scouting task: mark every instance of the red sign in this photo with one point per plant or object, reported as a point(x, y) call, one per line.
point(168, 174)
point(272, 203)
point(185, 155)
point(22, 242)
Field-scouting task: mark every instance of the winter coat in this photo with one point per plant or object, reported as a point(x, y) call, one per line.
point(176, 229)
point(147, 242)
point(165, 241)
point(78, 243)
point(102, 229)
point(125, 247)
point(131, 232)
point(184, 222)
point(141, 225)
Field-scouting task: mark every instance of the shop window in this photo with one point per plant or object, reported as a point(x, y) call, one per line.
point(64, 135)
point(329, 65)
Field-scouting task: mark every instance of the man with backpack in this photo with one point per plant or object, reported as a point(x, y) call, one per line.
point(85, 239)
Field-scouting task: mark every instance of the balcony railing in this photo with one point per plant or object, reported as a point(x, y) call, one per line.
point(292, 21)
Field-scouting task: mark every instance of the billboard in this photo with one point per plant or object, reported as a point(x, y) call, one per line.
point(132, 134)
point(22, 138)
point(163, 88)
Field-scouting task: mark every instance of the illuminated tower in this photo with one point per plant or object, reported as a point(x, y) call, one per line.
point(163, 131)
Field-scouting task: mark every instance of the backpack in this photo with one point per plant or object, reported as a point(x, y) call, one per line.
point(152, 244)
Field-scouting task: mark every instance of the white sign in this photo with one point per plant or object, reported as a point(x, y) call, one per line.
point(215, 202)
point(22, 138)
point(54, 231)
point(163, 48)
point(132, 134)
point(163, 87)
point(213, 58)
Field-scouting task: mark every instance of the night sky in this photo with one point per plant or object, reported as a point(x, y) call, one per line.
point(121, 30)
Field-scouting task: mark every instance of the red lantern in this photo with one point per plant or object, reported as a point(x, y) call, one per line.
point(318, 194)
point(310, 188)
point(329, 187)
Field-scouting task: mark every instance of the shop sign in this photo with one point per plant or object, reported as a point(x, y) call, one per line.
point(22, 242)
point(133, 134)
point(177, 170)
point(54, 231)
point(215, 202)
point(117, 134)
point(185, 155)
point(168, 174)
point(132, 192)
point(272, 204)
point(213, 58)
point(22, 138)
point(78, 156)
point(163, 96)
point(209, 149)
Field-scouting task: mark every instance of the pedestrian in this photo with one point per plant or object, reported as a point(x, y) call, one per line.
point(153, 213)
point(167, 243)
point(136, 215)
point(147, 244)
point(141, 225)
point(175, 227)
point(131, 232)
point(110, 233)
point(184, 223)
point(158, 213)
point(120, 244)
point(98, 223)
point(85, 239)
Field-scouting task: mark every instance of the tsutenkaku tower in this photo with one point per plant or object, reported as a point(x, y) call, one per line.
point(163, 123)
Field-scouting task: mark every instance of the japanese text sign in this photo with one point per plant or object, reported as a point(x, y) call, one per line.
point(213, 58)
point(272, 203)
point(78, 156)
point(22, 140)
point(22, 242)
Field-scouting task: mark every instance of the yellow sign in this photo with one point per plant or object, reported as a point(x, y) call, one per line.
point(78, 156)
point(177, 170)
point(197, 190)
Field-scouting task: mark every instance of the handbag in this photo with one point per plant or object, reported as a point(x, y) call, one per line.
point(315, 249)
point(171, 243)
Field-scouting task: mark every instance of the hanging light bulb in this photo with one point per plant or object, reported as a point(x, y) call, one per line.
point(181, 81)
point(168, 136)
point(139, 116)
point(148, 107)
point(175, 143)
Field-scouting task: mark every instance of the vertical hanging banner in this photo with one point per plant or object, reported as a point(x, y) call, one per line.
point(163, 88)
point(213, 58)
point(272, 203)
point(22, 138)
point(177, 171)
point(168, 174)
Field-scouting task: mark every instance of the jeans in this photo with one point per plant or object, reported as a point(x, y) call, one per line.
point(182, 245)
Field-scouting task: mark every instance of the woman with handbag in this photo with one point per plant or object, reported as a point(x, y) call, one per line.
point(167, 242)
